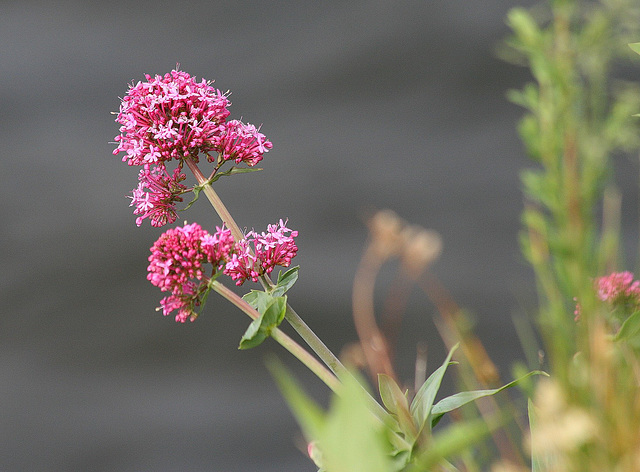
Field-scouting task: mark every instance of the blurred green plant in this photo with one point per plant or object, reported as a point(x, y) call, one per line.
point(578, 119)
point(586, 416)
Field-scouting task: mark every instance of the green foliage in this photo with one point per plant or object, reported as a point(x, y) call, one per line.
point(272, 306)
point(350, 436)
point(423, 401)
point(272, 310)
point(577, 119)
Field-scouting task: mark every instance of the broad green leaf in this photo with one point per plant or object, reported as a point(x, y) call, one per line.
point(423, 401)
point(349, 436)
point(635, 47)
point(630, 327)
point(253, 336)
point(258, 299)
point(308, 414)
point(260, 329)
point(460, 399)
point(285, 281)
point(353, 439)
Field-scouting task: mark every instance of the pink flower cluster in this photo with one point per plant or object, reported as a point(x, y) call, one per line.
point(618, 288)
point(259, 253)
point(173, 118)
point(178, 257)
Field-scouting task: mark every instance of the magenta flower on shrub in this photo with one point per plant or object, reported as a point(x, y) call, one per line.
point(170, 118)
point(259, 253)
point(174, 118)
point(180, 259)
point(177, 264)
point(242, 143)
point(157, 194)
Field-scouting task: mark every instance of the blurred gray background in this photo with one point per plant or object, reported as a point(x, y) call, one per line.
point(369, 104)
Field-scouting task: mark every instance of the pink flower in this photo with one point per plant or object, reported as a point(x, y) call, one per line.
point(242, 143)
point(173, 118)
point(242, 264)
point(157, 194)
point(275, 247)
point(180, 257)
point(170, 118)
point(258, 254)
point(618, 288)
point(176, 265)
point(218, 246)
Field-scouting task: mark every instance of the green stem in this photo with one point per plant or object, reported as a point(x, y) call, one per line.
point(291, 316)
point(285, 341)
point(312, 340)
point(217, 204)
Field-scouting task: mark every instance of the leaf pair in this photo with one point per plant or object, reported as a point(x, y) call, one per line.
point(272, 306)
point(418, 419)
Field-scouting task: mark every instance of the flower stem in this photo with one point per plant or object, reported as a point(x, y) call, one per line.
point(312, 340)
point(217, 204)
point(285, 341)
point(291, 316)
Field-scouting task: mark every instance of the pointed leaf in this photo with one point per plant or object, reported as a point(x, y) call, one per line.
point(630, 329)
point(308, 414)
point(454, 440)
point(423, 401)
point(285, 281)
point(635, 47)
point(253, 336)
point(396, 402)
point(232, 171)
point(391, 395)
point(460, 399)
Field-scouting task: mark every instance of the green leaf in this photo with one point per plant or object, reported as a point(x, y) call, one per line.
point(353, 438)
point(270, 318)
point(285, 281)
point(308, 414)
point(460, 399)
point(349, 436)
point(524, 26)
point(423, 401)
point(453, 440)
point(397, 404)
point(258, 299)
point(196, 194)
point(630, 330)
point(253, 336)
point(635, 47)
point(391, 395)
point(232, 171)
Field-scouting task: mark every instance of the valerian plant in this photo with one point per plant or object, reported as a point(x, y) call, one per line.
point(172, 123)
